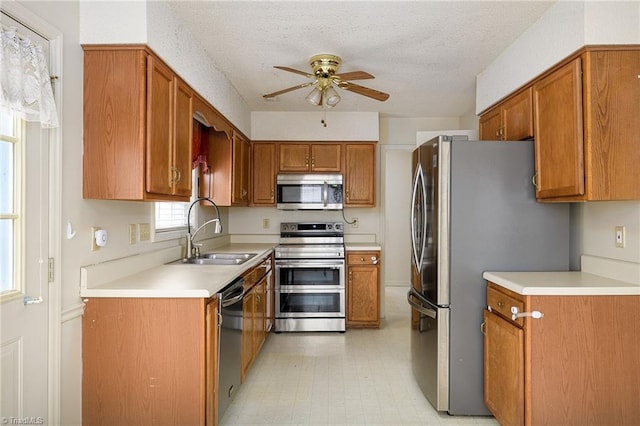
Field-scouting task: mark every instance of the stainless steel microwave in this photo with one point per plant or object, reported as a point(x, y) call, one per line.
point(309, 192)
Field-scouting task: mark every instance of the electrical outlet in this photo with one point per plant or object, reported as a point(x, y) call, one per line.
point(620, 236)
point(144, 229)
point(265, 223)
point(94, 244)
point(133, 233)
point(355, 222)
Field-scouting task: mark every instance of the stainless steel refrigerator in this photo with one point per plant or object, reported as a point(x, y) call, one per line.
point(473, 210)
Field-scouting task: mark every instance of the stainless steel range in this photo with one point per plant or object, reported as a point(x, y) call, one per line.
point(310, 277)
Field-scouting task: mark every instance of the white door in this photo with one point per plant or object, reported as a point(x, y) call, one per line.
point(24, 253)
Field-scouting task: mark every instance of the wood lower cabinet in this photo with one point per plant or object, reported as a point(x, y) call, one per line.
point(363, 289)
point(256, 312)
point(577, 365)
point(511, 120)
point(137, 126)
point(150, 361)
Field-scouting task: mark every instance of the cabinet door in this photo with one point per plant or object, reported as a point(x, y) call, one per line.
point(362, 290)
point(503, 370)
point(212, 343)
point(359, 176)
point(248, 314)
point(326, 157)
point(294, 157)
point(113, 124)
point(264, 173)
point(240, 172)
point(491, 125)
point(517, 117)
point(160, 100)
point(559, 133)
point(181, 168)
point(260, 316)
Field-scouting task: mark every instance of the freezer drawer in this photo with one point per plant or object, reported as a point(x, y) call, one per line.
point(430, 350)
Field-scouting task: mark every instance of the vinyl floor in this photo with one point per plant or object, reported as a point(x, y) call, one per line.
point(361, 377)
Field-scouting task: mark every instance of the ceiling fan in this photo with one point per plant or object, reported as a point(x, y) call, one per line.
point(324, 74)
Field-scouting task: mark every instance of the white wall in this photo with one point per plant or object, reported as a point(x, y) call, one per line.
point(564, 28)
point(152, 23)
point(109, 22)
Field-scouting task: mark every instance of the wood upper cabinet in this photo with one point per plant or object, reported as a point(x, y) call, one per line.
point(559, 138)
point(511, 120)
point(227, 182)
point(137, 126)
point(359, 174)
point(264, 171)
point(302, 158)
point(586, 121)
point(363, 289)
point(574, 365)
point(241, 170)
point(147, 361)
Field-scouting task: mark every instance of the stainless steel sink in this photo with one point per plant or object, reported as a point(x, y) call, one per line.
point(215, 259)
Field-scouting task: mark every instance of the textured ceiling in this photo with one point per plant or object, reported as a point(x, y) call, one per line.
point(425, 54)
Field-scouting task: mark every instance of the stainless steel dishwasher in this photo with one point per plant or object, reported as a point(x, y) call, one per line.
point(230, 350)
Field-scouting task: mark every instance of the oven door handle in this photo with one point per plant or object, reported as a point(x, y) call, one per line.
point(309, 265)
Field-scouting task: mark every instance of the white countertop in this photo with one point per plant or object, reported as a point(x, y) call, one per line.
point(570, 283)
point(362, 247)
point(201, 281)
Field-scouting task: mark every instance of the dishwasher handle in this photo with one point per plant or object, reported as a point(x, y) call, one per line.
point(233, 293)
point(412, 294)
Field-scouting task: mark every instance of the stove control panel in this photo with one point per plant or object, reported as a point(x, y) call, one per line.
point(312, 227)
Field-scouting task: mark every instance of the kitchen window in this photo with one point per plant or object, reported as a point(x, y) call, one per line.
point(11, 147)
point(169, 219)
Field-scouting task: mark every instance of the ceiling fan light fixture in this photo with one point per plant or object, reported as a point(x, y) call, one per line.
point(314, 97)
point(331, 97)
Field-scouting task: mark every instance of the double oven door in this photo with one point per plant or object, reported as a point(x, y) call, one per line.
point(310, 288)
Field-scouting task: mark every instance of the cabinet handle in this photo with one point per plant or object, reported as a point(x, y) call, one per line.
point(534, 180)
point(500, 304)
point(219, 319)
point(346, 194)
point(178, 175)
point(533, 314)
point(483, 328)
point(272, 193)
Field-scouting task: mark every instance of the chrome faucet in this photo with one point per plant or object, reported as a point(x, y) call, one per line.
point(192, 249)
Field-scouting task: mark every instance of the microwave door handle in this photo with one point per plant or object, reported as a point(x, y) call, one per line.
point(325, 192)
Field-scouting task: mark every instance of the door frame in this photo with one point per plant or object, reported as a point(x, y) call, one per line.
point(49, 32)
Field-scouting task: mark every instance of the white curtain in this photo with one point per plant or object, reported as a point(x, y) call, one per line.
point(25, 80)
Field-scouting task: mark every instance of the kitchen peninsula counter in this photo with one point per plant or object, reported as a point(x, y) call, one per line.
point(148, 276)
point(566, 283)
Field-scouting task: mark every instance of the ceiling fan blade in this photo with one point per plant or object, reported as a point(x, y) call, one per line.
point(365, 91)
point(288, 89)
point(295, 71)
point(354, 75)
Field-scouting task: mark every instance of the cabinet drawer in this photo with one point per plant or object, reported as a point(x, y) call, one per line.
point(363, 258)
point(501, 303)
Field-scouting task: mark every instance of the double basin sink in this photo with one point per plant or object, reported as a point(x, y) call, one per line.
point(215, 259)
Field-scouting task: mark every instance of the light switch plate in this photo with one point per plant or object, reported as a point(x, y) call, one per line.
point(144, 229)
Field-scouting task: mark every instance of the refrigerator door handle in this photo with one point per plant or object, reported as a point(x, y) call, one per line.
point(418, 252)
point(411, 294)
